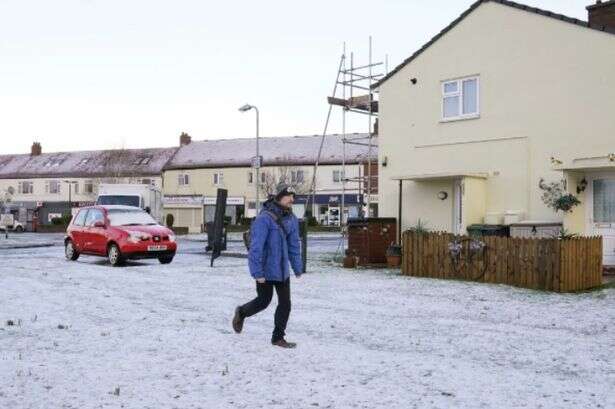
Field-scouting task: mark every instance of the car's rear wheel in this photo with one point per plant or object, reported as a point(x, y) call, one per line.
point(19, 229)
point(115, 256)
point(165, 259)
point(70, 251)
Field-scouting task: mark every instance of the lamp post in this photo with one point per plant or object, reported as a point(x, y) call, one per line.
point(246, 108)
point(70, 198)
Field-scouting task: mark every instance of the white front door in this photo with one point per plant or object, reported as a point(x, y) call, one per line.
point(603, 215)
point(458, 206)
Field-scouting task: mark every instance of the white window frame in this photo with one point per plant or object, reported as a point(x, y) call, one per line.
point(21, 185)
point(183, 179)
point(88, 187)
point(459, 94)
point(294, 176)
point(55, 183)
point(218, 179)
point(340, 176)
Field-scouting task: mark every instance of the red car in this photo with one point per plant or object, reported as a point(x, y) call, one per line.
point(118, 233)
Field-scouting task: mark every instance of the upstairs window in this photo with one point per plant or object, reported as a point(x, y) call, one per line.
point(25, 188)
point(296, 176)
point(460, 99)
point(183, 179)
point(250, 178)
point(88, 187)
point(218, 178)
point(53, 187)
point(337, 176)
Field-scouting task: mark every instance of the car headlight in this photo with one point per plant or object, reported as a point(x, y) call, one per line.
point(172, 238)
point(136, 236)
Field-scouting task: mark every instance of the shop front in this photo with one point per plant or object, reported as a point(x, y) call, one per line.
point(187, 211)
point(327, 208)
point(235, 209)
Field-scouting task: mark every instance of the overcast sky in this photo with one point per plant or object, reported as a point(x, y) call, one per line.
point(95, 74)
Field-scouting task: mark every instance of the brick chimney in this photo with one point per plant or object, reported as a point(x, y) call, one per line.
point(36, 149)
point(602, 15)
point(184, 139)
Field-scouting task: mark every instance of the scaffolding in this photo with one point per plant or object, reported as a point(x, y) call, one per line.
point(354, 83)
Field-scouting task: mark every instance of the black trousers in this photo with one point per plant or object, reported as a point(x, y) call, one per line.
point(264, 293)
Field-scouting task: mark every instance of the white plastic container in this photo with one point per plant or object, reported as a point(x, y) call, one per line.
point(493, 218)
point(535, 229)
point(513, 216)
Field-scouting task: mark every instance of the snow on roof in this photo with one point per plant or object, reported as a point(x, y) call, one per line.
point(118, 163)
point(291, 150)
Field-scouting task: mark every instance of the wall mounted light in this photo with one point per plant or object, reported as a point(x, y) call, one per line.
point(442, 195)
point(385, 161)
point(581, 186)
point(413, 81)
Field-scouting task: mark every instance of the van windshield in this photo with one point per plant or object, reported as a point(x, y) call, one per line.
point(124, 200)
point(128, 217)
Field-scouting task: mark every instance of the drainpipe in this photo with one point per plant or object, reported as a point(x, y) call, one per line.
point(399, 213)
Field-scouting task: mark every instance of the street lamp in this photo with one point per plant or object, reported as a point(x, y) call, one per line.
point(246, 108)
point(70, 191)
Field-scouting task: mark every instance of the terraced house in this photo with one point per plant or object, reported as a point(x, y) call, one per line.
point(503, 98)
point(199, 168)
point(42, 186)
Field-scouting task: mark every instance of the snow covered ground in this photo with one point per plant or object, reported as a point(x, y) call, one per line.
point(18, 240)
point(87, 335)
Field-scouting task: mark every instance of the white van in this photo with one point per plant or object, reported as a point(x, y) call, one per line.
point(146, 197)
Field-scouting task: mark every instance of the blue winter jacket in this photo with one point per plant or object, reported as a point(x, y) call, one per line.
point(271, 250)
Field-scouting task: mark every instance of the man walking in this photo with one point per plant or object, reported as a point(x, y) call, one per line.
point(274, 243)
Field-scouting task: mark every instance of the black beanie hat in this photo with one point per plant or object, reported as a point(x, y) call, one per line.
point(284, 190)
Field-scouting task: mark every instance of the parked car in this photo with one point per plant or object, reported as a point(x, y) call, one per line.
point(118, 233)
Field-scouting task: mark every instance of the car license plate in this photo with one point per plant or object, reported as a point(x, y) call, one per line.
point(156, 248)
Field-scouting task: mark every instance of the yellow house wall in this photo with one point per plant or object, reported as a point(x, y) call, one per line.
point(575, 221)
point(547, 89)
point(474, 200)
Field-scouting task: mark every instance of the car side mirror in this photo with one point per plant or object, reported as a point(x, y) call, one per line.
point(99, 223)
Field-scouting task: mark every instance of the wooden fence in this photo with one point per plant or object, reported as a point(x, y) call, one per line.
point(542, 264)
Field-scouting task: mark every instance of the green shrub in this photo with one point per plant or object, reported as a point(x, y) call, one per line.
point(311, 221)
point(246, 221)
point(64, 220)
point(170, 220)
point(420, 227)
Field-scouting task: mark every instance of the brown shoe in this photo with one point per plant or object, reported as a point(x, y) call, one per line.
point(283, 344)
point(238, 320)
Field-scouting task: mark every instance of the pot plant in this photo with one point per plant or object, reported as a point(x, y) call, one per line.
point(350, 260)
point(555, 196)
point(393, 255)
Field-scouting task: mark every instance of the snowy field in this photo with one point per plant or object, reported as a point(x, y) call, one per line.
point(87, 335)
